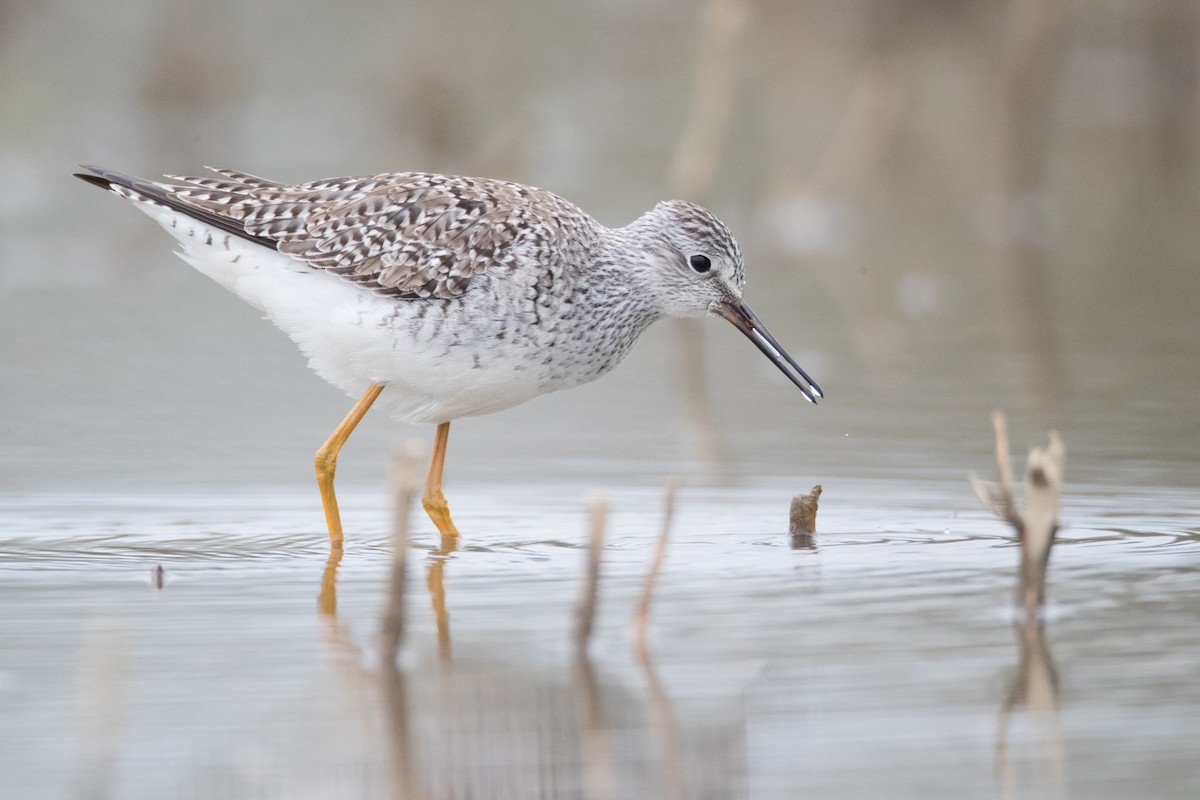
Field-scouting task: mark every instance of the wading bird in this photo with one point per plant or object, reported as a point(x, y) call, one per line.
point(460, 296)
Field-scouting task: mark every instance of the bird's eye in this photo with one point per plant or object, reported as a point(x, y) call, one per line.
point(700, 263)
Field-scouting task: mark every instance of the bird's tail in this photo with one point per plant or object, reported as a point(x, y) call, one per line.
point(143, 190)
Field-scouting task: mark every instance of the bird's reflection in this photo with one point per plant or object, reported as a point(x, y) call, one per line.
point(390, 682)
point(436, 581)
point(1035, 686)
point(462, 711)
point(327, 598)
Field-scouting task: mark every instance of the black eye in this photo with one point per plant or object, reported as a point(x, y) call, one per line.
point(700, 263)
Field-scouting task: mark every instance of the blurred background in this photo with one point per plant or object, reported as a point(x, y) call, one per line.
point(945, 206)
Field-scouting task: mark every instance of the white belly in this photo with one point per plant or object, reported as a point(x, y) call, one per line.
point(353, 337)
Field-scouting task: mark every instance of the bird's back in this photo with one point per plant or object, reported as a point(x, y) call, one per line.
point(452, 288)
point(405, 234)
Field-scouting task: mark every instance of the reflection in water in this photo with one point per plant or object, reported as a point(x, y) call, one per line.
point(435, 580)
point(103, 672)
point(595, 737)
point(391, 628)
point(405, 774)
point(662, 720)
point(479, 728)
point(327, 598)
point(1035, 686)
point(803, 541)
point(403, 771)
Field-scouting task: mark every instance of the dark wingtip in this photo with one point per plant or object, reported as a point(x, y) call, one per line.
point(163, 195)
point(108, 178)
point(95, 180)
point(97, 176)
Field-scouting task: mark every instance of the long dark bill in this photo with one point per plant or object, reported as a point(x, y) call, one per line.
point(744, 320)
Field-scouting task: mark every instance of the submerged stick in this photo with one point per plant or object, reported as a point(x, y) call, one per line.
point(406, 484)
point(802, 517)
point(1037, 526)
point(641, 613)
point(998, 498)
point(802, 520)
point(587, 600)
point(1004, 467)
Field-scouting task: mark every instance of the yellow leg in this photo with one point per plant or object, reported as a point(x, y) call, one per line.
point(326, 461)
point(433, 499)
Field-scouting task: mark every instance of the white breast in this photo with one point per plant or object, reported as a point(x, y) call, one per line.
point(353, 337)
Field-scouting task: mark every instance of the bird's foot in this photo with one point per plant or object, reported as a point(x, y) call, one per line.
point(439, 512)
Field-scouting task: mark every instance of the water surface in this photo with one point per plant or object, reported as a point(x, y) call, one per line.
point(882, 660)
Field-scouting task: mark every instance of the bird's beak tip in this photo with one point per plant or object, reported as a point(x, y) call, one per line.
point(742, 318)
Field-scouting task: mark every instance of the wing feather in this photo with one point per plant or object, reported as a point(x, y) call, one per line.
point(406, 234)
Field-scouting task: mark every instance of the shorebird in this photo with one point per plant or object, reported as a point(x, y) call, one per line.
point(461, 296)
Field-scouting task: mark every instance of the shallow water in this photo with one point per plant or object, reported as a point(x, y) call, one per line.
point(929, 232)
point(878, 662)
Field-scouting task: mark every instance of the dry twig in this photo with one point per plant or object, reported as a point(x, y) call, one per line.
point(641, 613)
point(1037, 526)
point(1043, 486)
point(587, 600)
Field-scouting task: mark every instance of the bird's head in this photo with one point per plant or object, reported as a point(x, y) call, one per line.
point(692, 266)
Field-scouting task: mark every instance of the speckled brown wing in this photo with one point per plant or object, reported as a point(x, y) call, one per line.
point(406, 234)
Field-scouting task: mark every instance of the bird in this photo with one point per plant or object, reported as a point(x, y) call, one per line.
point(460, 296)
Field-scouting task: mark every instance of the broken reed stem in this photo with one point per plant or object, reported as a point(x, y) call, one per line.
point(406, 484)
point(1035, 528)
point(1003, 464)
point(587, 600)
point(1043, 489)
point(698, 154)
point(1008, 504)
point(641, 613)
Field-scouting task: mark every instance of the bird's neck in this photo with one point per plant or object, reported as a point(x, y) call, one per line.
point(617, 279)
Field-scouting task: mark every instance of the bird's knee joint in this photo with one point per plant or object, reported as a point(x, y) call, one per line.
point(325, 462)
